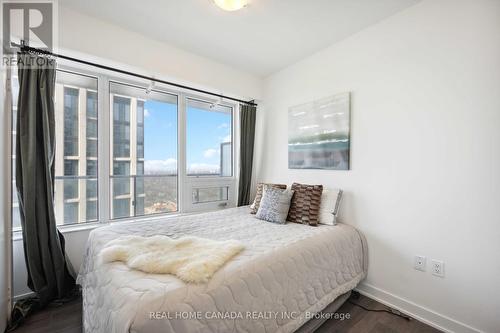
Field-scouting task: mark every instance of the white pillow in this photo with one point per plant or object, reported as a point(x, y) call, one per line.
point(329, 209)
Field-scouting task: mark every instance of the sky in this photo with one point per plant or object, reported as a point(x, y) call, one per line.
point(205, 131)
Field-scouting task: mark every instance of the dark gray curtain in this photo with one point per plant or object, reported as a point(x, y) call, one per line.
point(247, 138)
point(50, 275)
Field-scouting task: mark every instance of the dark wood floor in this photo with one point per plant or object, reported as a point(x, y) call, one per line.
point(68, 319)
point(362, 321)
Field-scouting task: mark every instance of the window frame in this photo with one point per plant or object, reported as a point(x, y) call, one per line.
point(133, 86)
point(223, 104)
point(185, 184)
point(192, 182)
point(76, 80)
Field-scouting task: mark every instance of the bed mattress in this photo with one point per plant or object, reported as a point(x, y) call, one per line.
point(285, 274)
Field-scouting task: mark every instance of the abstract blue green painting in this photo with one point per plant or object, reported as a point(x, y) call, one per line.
point(319, 134)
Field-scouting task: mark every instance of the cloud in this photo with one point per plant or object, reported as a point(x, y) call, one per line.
point(160, 166)
point(203, 168)
point(209, 153)
point(169, 166)
point(223, 125)
point(227, 138)
point(146, 113)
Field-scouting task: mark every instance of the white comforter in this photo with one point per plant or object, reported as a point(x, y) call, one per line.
point(285, 273)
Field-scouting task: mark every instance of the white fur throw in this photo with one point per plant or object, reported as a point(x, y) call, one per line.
point(191, 259)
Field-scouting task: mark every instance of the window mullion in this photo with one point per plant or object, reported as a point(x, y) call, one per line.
point(104, 113)
point(182, 184)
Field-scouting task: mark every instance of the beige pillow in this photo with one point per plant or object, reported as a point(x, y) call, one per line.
point(274, 205)
point(254, 207)
point(306, 203)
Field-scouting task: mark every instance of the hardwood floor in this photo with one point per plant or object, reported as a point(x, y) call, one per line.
point(362, 321)
point(68, 319)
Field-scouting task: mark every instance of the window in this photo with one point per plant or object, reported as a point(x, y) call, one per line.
point(70, 183)
point(91, 167)
point(121, 126)
point(92, 105)
point(210, 194)
point(140, 134)
point(140, 167)
point(121, 168)
point(92, 148)
point(76, 162)
point(209, 139)
point(209, 180)
point(92, 189)
point(155, 145)
point(144, 151)
point(71, 212)
point(91, 211)
point(71, 167)
point(121, 207)
point(71, 129)
point(91, 129)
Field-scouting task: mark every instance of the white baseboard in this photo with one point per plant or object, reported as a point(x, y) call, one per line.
point(423, 314)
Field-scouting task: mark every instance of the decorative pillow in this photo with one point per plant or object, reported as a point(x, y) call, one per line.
point(274, 205)
point(258, 196)
point(305, 204)
point(329, 209)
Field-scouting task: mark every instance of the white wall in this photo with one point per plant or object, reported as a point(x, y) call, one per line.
point(97, 38)
point(75, 249)
point(4, 208)
point(425, 153)
point(94, 39)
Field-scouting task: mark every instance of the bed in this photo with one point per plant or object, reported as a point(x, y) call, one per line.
point(285, 274)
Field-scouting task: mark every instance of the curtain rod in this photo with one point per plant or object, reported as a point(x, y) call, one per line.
point(25, 48)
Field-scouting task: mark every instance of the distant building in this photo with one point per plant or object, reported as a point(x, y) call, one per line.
point(127, 152)
point(76, 155)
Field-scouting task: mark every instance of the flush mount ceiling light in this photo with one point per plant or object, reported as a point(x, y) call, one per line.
point(231, 5)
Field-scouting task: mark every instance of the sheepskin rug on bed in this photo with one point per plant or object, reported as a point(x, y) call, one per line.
point(191, 259)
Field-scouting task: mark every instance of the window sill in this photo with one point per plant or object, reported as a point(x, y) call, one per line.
point(66, 229)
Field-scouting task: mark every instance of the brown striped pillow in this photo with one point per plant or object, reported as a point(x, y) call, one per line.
point(305, 204)
point(258, 196)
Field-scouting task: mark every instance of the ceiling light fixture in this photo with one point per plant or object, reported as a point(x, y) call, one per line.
point(231, 5)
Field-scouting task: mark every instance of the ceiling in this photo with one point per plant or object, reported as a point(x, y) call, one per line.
point(262, 38)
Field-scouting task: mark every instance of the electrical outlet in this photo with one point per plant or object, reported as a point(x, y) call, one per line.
point(437, 268)
point(420, 263)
